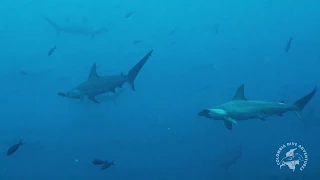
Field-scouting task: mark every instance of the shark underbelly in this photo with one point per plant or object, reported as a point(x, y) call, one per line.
point(99, 86)
point(96, 90)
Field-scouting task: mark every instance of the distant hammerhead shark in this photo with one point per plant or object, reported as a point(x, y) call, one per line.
point(76, 28)
point(97, 85)
point(234, 159)
point(240, 108)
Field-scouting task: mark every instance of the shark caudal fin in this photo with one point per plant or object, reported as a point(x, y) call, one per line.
point(136, 69)
point(301, 103)
point(54, 25)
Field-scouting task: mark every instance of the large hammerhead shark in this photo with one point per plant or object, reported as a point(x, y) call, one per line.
point(240, 108)
point(96, 85)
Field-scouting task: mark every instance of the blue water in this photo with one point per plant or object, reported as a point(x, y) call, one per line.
point(203, 50)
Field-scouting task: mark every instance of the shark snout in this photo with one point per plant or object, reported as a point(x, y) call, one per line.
point(204, 112)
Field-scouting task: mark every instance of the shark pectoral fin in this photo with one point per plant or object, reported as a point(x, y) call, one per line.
point(228, 124)
point(231, 120)
point(93, 99)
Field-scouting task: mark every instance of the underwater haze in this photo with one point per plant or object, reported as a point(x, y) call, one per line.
point(76, 120)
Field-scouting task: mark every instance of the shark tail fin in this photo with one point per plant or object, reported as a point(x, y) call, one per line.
point(136, 69)
point(54, 25)
point(302, 102)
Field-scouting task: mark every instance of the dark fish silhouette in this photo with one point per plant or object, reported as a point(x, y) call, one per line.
point(98, 162)
point(227, 164)
point(52, 50)
point(289, 44)
point(136, 42)
point(129, 14)
point(14, 148)
point(107, 165)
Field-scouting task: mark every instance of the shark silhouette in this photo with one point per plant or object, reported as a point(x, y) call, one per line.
point(240, 108)
point(96, 85)
point(82, 28)
point(233, 160)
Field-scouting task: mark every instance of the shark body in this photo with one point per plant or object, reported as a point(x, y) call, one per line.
point(96, 85)
point(82, 28)
point(240, 108)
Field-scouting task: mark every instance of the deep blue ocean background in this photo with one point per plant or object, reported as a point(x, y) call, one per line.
point(203, 50)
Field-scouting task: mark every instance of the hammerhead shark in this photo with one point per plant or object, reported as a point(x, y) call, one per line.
point(96, 85)
point(240, 108)
point(76, 28)
point(233, 160)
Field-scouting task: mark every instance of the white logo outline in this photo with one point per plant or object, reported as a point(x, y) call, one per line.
point(288, 159)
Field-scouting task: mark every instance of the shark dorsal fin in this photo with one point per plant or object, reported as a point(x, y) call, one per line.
point(239, 94)
point(93, 71)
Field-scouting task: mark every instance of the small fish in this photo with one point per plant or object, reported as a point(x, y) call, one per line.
point(14, 148)
point(136, 42)
point(52, 50)
point(289, 44)
point(129, 14)
point(98, 162)
point(107, 165)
